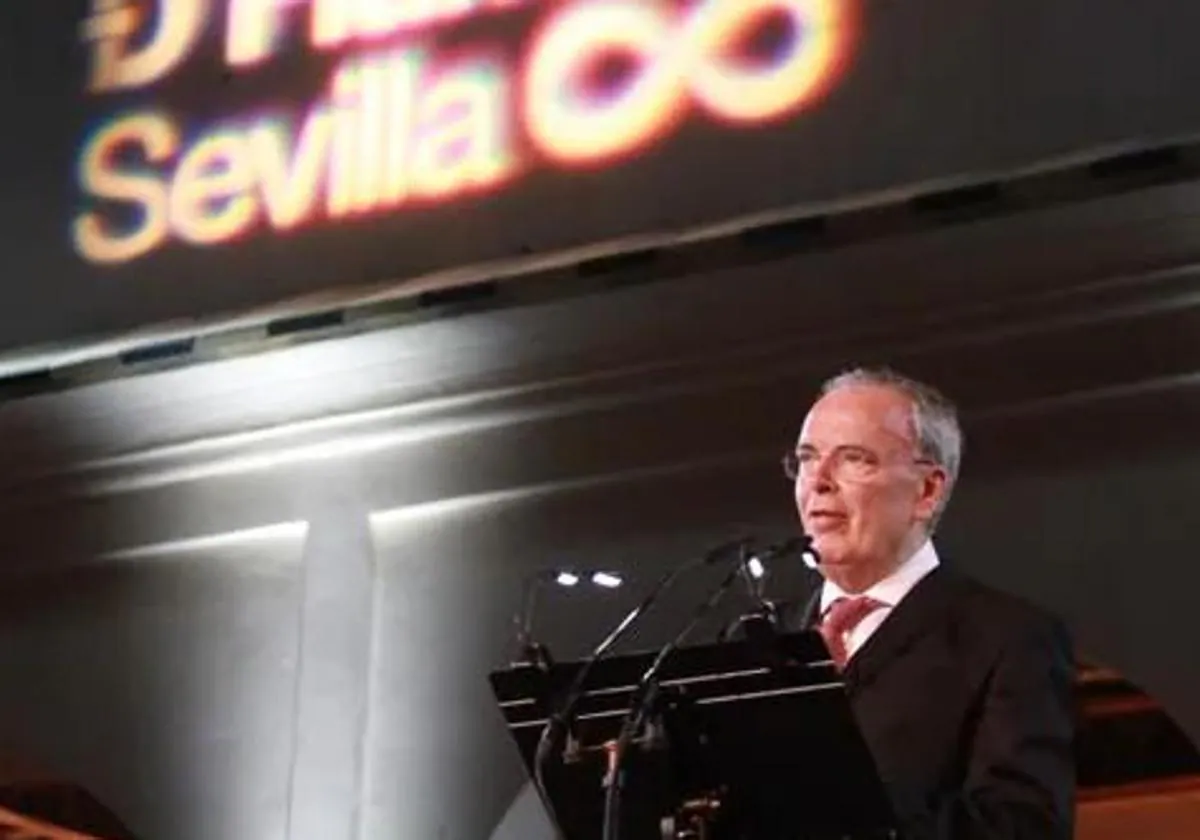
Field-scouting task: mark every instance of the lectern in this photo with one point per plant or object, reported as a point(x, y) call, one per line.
point(747, 740)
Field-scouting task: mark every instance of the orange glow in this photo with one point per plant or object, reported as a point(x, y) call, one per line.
point(675, 60)
point(560, 117)
point(448, 137)
point(112, 26)
point(446, 134)
point(407, 124)
point(350, 108)
point(402, 95)
point(255, 26)
point(741, 94)
point(383, 18)
point(466, 142)
point(210, 198)
point(100, 175)
point(291, 183)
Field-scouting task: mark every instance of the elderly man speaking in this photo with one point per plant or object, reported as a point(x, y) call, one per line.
point(963, 693)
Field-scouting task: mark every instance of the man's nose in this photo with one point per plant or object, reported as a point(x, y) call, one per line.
point(822, 482)
point(818, 477)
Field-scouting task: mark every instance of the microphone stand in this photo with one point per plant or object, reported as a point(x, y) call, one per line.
point(533, 654)
point(560, 722)
point(642, 700)
point(645, 694)
point(529, 651)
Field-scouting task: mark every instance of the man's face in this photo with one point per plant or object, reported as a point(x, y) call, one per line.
point(861, 494)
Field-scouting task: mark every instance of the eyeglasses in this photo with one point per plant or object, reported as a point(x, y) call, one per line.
point(845, 463)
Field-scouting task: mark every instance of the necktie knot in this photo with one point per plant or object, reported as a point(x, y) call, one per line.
point(840, 619)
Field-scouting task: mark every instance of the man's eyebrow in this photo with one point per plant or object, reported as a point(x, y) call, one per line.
point(841, 447)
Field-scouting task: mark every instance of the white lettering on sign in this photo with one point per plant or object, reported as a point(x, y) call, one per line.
point(401, 124)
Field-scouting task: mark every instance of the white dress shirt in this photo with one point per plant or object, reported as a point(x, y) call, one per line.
point(890, 591)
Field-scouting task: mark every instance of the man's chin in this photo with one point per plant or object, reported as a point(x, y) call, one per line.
point(839, 563)
point(832, 552)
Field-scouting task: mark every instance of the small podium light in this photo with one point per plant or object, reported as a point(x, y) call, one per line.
point(568, 578)
point(755, 567)
point(530, 652)
point(606, 579)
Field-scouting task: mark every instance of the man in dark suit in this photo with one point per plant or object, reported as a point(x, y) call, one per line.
point(963, 693)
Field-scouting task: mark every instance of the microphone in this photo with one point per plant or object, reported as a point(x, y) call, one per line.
point(812, 557)
point(645, 693)
point(560, 721)
point(529, 650)
point(759, 623)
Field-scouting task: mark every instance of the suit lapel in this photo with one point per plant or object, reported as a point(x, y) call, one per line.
point(925, 604)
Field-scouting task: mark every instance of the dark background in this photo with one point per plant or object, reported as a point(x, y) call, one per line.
point(933, 89)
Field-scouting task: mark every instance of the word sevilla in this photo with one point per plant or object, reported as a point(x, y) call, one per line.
point(400, 125)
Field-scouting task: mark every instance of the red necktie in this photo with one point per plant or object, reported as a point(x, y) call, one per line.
point(840, 619)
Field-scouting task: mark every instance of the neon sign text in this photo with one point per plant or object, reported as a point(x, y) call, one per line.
point(256, 26)
point(118, 64)
point(401, 124)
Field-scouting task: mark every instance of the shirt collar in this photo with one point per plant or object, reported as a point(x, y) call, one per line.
point(892, 589)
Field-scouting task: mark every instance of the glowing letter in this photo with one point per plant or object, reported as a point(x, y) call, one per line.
point(102, 177)
point(372, 141)
point(575, 125)
point(381, 18)
point(404, 73)
point(332, 23)
point(749, 94)
point(254, 29)
point(464, 143)
point(289, 190)
point(117, 64)
point(211, 199)
point(372, 102)
point(346, 108)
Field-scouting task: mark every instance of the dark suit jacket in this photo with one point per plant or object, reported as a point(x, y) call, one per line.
point(965, 698)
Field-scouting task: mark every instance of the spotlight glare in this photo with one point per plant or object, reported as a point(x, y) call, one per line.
point(606, 579)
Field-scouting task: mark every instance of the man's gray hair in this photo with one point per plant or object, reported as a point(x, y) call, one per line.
point(938, 434)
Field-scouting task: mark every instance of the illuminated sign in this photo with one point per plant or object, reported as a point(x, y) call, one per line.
point(423, 101)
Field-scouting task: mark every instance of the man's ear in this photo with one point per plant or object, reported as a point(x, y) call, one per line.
point(934, 484)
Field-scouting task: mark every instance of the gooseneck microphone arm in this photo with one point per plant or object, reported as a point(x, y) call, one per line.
point(528, 649)
point(560, 721)
point(644, 695)
point(640, 703)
